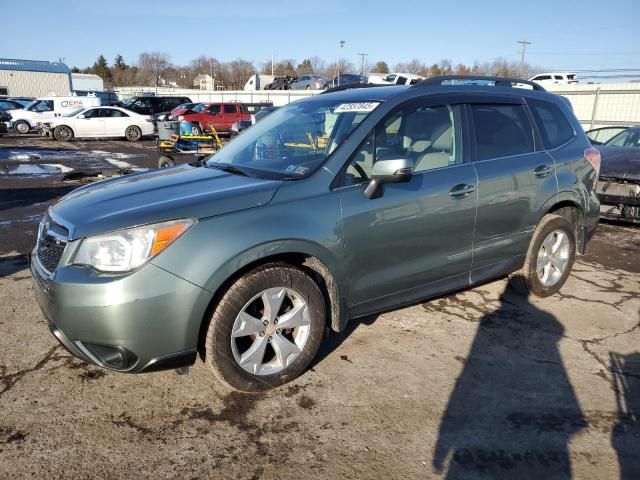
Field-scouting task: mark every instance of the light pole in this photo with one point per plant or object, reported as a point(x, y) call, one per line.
point(342, 42)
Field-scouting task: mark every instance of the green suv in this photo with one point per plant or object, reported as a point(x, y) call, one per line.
point(331, 208)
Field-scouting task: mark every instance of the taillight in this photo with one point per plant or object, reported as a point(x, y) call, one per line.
point(592, 155)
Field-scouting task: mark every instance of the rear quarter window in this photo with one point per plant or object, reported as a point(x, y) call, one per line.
point(555, 128)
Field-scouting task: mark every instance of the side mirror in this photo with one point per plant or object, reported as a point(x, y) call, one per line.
point(81, 115)
point(398, 170)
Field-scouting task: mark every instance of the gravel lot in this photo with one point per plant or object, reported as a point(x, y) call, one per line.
point(480, 384)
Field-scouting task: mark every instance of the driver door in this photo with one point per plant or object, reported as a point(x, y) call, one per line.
point(92, 125)
point(416, 239)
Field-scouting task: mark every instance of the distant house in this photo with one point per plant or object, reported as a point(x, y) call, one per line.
point(203, 82)
point(34, 78)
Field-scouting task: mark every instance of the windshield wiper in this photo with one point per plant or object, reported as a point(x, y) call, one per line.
point(229, 169)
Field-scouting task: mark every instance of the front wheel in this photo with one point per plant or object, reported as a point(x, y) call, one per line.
point(549, 259)
point(166, 162)
point(133, 133)
point(63, 133)
point(266, 329)
point(21, 127)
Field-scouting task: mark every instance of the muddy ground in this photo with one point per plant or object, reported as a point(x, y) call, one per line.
point(481, 384)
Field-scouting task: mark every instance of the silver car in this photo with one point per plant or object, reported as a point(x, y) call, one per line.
point(310, 82)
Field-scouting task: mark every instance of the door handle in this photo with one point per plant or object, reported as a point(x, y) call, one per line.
point(461, 190)
point(542, 171)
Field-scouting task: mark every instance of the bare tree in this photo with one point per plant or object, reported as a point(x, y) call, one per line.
point(152, 66)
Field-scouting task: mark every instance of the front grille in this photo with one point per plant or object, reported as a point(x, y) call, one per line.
point(51, 244)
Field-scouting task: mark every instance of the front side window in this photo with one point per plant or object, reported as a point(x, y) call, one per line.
point(553, 125)
point(42, 106)
point(295, 140)
point(229, 109)
point(214, 109)
point(429, 136)
point(93, 113)
point(501, 131)
point(628, 138)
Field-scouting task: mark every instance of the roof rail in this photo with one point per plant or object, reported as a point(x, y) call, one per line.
point(349, 86)
point(497, 81)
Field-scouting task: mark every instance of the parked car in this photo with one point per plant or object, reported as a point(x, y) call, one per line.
point(262, 113)
point(240, 126)
point(4, 119)
point(11, 104)
point(45, 109)
point(154, 106)
point(397, 194)
point(309, 82)
point(348, 79)
point(395, 79)
point(280, 82)
point(619, 185)
point(601, 135)
point(182, 109)
point(220, 116)
point(555, 78)
point(99, 122)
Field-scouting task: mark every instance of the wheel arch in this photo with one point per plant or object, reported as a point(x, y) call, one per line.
point(336, 305)
point(568, 205)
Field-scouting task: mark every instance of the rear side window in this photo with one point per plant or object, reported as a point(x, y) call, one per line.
point(501, 131)
point(552, 123)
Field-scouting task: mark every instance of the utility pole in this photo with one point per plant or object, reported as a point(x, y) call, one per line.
point(364, 57)
point(524, 44)
point(272, 64)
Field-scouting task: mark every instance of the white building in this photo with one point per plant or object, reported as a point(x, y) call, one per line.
point(204, 82)
point(34, 78)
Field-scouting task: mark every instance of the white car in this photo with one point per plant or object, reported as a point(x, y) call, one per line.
point(395, 78)
point(100, 122)
point(555, 78)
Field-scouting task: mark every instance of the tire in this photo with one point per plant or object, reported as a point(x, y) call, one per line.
point(541, 275)
point(302, 300)
point(308, 87)
point(21, 127)
point(196, 130)
point(133, 133)
point(166, 162)
point(62, 133)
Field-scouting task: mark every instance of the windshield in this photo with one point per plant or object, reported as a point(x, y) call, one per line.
point(295, 140)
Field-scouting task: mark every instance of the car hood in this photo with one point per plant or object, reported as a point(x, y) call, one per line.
point(621, 163)
point(159, 195)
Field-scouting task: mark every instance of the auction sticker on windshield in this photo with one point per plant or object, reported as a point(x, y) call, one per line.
point(356, 107)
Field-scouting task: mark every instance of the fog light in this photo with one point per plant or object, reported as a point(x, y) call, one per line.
point(116, 357)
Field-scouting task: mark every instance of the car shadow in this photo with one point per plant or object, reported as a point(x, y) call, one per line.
point(13, 264)
point(513, 410)
point(24, 197)
point(625, 437)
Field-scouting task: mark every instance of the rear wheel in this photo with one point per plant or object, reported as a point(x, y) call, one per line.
point(22, 127)
point(549, 259)
point(63, 133)
point(266, 329)
point(133, 133)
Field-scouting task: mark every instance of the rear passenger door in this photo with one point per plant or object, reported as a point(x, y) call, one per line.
point(115, 122)
point(515, 179)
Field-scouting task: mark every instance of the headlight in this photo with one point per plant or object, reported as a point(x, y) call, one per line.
point(124, 250)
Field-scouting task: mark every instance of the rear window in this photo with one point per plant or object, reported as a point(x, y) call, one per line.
point(552, 123)
point(501, 131)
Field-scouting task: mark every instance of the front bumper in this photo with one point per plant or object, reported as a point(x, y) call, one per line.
point(150, 317)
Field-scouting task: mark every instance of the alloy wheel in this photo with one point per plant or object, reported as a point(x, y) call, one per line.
point(270, 331)
point(553, 258)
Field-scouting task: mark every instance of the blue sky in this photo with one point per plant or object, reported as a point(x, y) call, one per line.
point(565, 35)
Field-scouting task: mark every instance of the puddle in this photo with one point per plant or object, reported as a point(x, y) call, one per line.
point(36, 169)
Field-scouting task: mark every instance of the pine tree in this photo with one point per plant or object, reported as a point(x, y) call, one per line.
point(101, 68)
